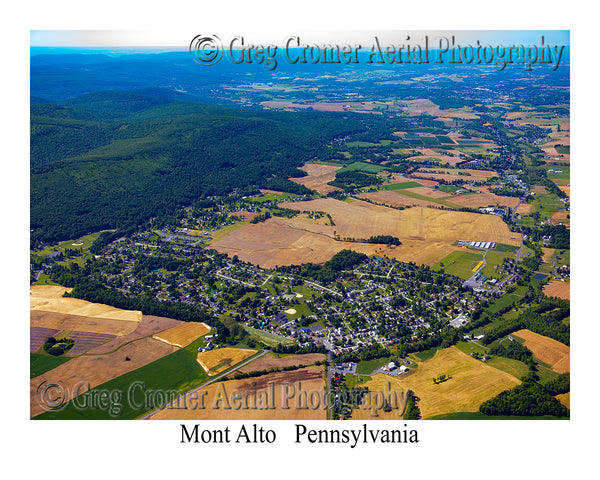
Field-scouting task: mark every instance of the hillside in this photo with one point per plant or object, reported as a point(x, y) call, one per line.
point(113, 159)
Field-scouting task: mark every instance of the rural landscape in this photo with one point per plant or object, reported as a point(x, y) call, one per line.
point(316, 242)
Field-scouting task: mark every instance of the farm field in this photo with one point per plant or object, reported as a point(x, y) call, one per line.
point(268, 390)
point(450, 175)
point(472, 382)
point(39, 363)
point(558, 288)
point(49, 299)
point(269, 361)
point(477, 200)
point(421, 105)
point(170, 374)
point(94, 370)
point(64, 321)
point(427, 235)
point(460, 263)
point(549, 351)
point(318, 177)
point(149, 325)
point(394, 198)
point(217, 360)
point(183, 334)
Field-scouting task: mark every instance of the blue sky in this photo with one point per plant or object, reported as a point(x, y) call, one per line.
point(182, 38)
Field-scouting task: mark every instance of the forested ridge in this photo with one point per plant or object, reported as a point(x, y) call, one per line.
point(114, 159)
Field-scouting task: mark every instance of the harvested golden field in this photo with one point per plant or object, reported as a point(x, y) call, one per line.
point(428, 192)
point(565, 399)
point(97, 369)
point(269, 361)
point(547, 254)
point(394, 178)
point(549, 351)
point(62, 321)
point(558, 288)
point(394, 198)
point(425, 233)
point(183, 334)
point(525, 209)
point(566, 189)
point(219, 359)
point(49, 299)
point(422, 105)
point(539, 189)
point(472, 382)
point(318, 177)
point(259, 398)
point(362, 219)
point(477, 200)
point(450, 175)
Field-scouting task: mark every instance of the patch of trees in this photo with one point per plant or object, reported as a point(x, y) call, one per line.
point(261, 218)
point(561, 384)
point(545, 318)
point(354, 179)
point(412, 411)
point(514, 350)
point(330, 270)
point(529, 399)
point(384, 239)
point(55, 347)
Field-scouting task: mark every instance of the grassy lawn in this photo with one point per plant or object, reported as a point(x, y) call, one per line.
point(470, 347)
point(494, 259)
point(514, 367)
point(82, 243)
point(355, 380)
point(172, 374)
point(44, 279)
point(503, 302)
point(267, 338)
point(367, 367)
point(459, 263)
point(269, 197)
point(426, 354)
point(39, 363)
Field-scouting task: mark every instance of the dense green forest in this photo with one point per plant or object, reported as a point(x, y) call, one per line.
point(110, 160)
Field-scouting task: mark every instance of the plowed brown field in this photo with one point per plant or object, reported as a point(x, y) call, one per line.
point(260, 398)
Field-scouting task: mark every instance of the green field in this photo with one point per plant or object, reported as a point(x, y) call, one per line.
point(494, 259)
point(39, 363)
point(503, 302)
point(272, 197)
point(514, 367)
point(44, 279)
point(172, 374)
point(362, 167)
point(82, 243)
point(459, 263)
point(355, 380)
point(369, 144)
point(267, 338)
point(470, 347)
point(501, 247)
point(367, 367)
point(401, 186)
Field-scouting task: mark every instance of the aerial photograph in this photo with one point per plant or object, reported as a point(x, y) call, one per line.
point(355, 226)
point(278, 240)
